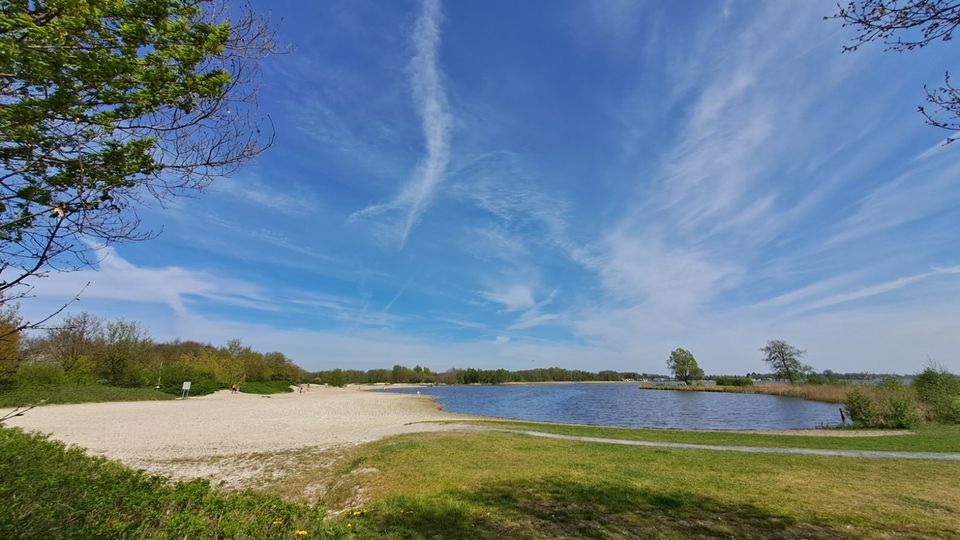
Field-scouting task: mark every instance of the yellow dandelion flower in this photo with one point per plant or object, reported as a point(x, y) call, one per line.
point(349, 525)
point(277, 522)
point(301, 534)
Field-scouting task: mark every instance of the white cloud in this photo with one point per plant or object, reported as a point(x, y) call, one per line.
point(915, 194)
point(873, 290)
point(117, 279)
point(532, 319)
point(249, 188)
point(642, 270)
point(513, 297)
point(426, 77)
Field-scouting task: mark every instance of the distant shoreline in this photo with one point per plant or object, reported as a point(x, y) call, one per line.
point(823, 393)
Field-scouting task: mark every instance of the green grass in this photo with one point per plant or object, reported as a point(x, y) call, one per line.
point(492, 485)
point(19, 395)
point(50, 491)
point(928, 438)
point(496, 485)
point(266, 387)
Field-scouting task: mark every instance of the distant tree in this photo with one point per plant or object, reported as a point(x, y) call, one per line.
point(608, 375)
point(128, 353)
point(905, 25)
point(105, 104)
point(684, 366)
point(76, 343)
point(336, 378)
point(784, 360)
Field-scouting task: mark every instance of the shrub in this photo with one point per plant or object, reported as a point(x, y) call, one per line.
point(266, 387)
point(817, 379)
point(734, 381)
point(335, 378)
point(894, 408)
point(903, 413)
point(39, 374)
point(201, 382)
point(861, 409)
point(939, 391)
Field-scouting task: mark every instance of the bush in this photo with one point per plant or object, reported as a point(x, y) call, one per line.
point(939, 392)
point(734, 381)
point(817, 379)
point(39, 374)
point(861, 409)
point(266, 387)
point(335, 378)
point(201, 383)
point(894, 408)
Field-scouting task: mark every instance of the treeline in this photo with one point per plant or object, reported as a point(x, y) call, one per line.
point(827, 377)
point(87, 349)
point(423, 375)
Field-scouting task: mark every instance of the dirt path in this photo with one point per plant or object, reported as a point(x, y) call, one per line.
point(869, 454)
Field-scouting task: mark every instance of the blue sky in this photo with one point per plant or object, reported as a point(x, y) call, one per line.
point(571, 183)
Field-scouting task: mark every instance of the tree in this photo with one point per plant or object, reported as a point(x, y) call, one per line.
point(9, 340)
point(105, 104)
point(336, 378)
point(784, 360)
point(905, 25)
point(127, 354)
point(684, 366)
point(76, 343)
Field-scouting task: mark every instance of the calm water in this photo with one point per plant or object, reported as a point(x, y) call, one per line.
point(625, 405)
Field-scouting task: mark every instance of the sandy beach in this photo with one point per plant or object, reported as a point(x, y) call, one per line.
point(234, 438)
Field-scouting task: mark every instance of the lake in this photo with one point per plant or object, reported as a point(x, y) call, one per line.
point(625, 405)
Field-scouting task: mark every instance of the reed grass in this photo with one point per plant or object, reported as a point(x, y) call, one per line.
point(829, 393)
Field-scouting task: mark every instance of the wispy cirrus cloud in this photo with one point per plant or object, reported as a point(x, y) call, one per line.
point(869, 291)
point(184, 290)
point(115, 278)
point(514, 297)
point(920, 192)
point(437, 123)
point(251, 189)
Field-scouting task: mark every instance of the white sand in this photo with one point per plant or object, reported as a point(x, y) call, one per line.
point(197, 437)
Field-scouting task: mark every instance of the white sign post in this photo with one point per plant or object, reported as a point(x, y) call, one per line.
point(186, 389)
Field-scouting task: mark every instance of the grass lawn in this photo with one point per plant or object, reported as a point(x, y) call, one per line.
point(501, 485)
point(495, 485)
point(928, 438)
point(16, 396)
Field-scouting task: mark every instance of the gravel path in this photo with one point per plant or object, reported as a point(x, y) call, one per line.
point(870, 454)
